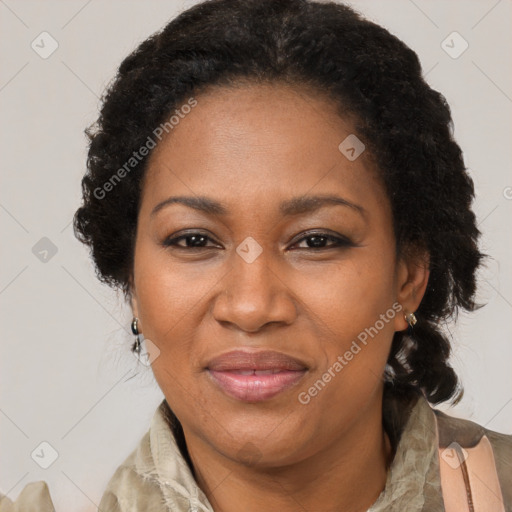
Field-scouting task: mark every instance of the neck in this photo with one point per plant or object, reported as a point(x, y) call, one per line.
point(346, 475)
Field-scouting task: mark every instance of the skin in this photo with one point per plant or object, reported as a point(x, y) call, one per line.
point(251, 148)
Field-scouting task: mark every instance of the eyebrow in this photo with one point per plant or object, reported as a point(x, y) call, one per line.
point(295, 206)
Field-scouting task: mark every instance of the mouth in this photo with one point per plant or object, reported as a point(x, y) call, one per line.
point(255, 376)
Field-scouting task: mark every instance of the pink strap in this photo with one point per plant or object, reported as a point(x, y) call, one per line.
point(469, 479)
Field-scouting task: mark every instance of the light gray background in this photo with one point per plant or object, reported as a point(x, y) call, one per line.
point(67, 374)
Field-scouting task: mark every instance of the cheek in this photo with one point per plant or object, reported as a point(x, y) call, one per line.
point(349, 296)
point(168, 293)
point(353, 314)
point(167, 300)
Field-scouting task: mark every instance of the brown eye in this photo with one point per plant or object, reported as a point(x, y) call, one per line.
point(191, 241)
point(321, 241)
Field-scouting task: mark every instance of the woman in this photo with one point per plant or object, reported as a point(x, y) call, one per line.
point(277, 192)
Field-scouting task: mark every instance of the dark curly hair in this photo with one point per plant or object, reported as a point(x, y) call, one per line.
point(370, 75)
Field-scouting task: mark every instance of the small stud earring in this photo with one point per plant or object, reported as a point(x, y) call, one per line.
point(411, 319)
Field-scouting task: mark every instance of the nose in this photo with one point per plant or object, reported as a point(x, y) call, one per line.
point(255, 296)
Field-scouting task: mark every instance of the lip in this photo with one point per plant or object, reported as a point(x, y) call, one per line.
point(255, 376)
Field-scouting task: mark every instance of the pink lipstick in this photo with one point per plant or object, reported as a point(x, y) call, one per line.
point(255, 376)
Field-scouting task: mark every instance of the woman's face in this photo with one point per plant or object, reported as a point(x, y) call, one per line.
point(257, 273)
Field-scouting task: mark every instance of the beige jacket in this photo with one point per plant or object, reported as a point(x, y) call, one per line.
point(156, 477)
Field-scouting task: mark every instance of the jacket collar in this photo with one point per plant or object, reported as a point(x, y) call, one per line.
point(413, 482)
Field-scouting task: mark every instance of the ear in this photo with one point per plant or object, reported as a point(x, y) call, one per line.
point(135, 307)
point(132, 296)
point(412, 278)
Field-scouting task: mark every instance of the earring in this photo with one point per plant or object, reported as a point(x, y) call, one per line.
point(411, 319)
point(137, 334)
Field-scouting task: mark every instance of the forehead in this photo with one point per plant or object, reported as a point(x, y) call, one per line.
point(253, 144)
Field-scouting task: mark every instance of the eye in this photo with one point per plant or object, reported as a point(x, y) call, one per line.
point(192, 240)
point(320, 240)
point(315, 241)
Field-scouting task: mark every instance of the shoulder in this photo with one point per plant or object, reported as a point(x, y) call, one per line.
point(35, 496)
point(469, 435)
point(128, 491)
point(154, 477)
point(133, 487)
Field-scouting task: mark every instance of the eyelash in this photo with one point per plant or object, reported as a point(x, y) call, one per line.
point(340, 241)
